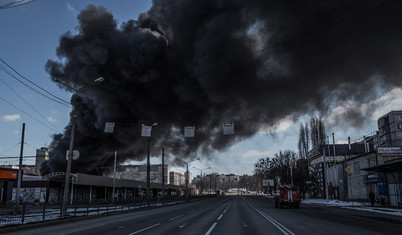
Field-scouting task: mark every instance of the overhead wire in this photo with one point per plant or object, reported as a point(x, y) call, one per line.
point(31, 145)
point(9, 148)
point(26, 102)
point(172, 164)
point(9, 103)
point(15, 3)
point(55, 99)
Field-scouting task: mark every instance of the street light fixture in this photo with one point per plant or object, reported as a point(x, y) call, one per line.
point(202, 181)
point(187, 162)
point(146, 132)
point(70, 151)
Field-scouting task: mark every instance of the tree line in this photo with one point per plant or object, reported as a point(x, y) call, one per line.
point(282, 165)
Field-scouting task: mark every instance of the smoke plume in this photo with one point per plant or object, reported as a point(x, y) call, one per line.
point(205, 63)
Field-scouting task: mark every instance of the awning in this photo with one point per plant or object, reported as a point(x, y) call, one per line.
point(388, 167)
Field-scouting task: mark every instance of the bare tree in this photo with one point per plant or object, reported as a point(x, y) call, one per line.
point(304, 140)
point(317, 132)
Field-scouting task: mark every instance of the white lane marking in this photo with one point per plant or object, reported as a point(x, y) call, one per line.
point(210, 229)
point(120, 227)
point(183, 225)
point(175, 217)
point(145, 229)
point(227, 208)
point(78, 230)
point(220, 217)
point(282, 228)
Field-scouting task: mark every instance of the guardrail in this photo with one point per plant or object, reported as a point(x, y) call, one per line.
point(13, 215)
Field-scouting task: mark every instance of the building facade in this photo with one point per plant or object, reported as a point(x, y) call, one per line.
point(139, 173)
point(177, 178)
point(42, 155)
point(390, 129)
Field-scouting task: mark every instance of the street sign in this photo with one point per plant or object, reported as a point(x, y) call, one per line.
point(109, 127)
point(146, 131)
point(348, 169)
point(139, 187)
point(189, 131)
point(76, 155)
point(228, 129)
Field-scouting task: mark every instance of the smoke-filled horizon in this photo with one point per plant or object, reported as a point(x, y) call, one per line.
point(205, 63)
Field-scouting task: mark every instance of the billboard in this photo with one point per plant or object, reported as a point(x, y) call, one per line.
point(389, 150)
point(8, 174)
point(267, 183)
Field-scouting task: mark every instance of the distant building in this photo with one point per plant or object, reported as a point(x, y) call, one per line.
point(42, 155)
point(27, 169)
point(177, 178)
point(334, 168)
point(139, 173)
point(390, 129)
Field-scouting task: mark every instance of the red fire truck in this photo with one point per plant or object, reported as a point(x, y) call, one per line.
point(287, 195)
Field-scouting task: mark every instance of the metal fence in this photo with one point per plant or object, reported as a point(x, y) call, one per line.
point(11, 215)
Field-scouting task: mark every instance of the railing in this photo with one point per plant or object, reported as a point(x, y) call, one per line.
point(12, 215)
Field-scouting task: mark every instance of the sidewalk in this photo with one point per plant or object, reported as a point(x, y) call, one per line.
point(355, 206)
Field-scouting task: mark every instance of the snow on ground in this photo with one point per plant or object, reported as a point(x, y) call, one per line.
point(331, 202)
point(388, 211)
point(354, 206)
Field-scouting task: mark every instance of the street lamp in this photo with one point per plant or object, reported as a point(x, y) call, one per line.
point(292, 165)
point(187, 162)
point(70, 149)
point(202, 182)
point(146, 132)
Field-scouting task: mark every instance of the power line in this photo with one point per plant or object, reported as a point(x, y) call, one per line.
point(17, 157)
point(15, 3)
point(29, 104)
point(31, 145)
point(28, 114)
point(56, 99)
point(9, 148)
point(172, 165)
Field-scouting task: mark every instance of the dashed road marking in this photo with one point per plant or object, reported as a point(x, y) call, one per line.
point(175, 217)
point(210, 229)
point(142, 230)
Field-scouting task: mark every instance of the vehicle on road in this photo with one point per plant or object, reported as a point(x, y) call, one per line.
point(287, 195)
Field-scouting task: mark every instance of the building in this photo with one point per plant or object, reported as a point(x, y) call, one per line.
point(390, 129)
point(139, 173)
point(328, 180)
point(42, 155)
point(27, 169)
point(177, 178)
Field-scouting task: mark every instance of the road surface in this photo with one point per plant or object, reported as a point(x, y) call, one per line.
point(231, 215)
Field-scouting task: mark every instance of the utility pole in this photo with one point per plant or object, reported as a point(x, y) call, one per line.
point(148, 172)
point(70, 158)
point(17, 194)
point(114, 176)
point(187, 181)
point(163, 175)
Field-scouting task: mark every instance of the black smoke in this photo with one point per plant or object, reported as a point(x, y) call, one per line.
point(205, 63)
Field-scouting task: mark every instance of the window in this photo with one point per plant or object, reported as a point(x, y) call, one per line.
point(399, 126)
point(371, 162)
point(357, 167)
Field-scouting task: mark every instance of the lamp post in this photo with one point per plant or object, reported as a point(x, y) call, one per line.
point(71, 145)
point(146, 131)
point(163, 172)
point(202, 182)
point(187, 162)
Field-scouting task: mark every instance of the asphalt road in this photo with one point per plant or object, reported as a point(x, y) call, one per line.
point(231, 215)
